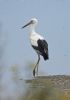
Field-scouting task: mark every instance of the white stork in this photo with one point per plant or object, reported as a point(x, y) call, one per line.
point(39, 44)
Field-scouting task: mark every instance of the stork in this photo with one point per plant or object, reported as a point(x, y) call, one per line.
point(38, 43)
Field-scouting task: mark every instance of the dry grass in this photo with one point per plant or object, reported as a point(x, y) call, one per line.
point(48, 88)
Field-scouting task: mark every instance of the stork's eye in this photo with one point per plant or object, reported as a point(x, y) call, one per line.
point(32, 21)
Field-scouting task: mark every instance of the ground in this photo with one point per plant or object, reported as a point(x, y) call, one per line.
point(56, 87)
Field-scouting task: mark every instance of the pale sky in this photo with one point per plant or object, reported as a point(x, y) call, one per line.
point(54, 25)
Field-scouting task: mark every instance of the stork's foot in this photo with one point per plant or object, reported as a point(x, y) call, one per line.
point(34, 72)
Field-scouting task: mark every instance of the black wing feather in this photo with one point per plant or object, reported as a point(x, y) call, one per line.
point(43, 48)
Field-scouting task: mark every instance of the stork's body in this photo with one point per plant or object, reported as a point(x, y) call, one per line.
point(37, 42)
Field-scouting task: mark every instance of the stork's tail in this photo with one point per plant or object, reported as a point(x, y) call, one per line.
point(45, 56)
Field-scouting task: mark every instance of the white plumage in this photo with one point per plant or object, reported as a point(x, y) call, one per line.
point(37, 42)
point(34, 38)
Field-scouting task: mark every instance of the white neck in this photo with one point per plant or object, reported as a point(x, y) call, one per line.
point(32, 29)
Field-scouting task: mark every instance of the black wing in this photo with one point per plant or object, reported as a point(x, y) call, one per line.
point(43, 48)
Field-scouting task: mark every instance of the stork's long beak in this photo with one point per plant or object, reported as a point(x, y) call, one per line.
point(27, 24)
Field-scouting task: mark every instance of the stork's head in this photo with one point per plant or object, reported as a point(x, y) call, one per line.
point(32, 23)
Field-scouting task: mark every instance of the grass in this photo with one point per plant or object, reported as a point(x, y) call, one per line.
point(48, 88)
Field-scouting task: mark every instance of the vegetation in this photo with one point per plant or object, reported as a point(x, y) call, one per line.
point(47, 88)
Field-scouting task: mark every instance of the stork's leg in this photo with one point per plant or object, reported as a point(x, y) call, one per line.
point(38, 63)
point(36, 66)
